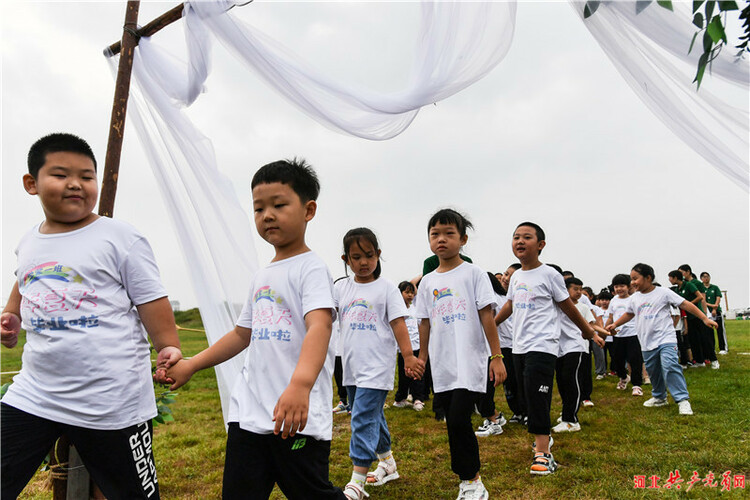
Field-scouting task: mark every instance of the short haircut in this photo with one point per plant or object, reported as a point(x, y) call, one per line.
point(569, 274)
point(604, 295)
point(496, 286)
point(555, 267)
point(621, 279)
point(705, 273)
point(406, 285)
point(676, 275)
point(56, 143)
point(296, 173)
point(644, 270)
point(448, 216)
point(539, 231)
point(573, 281)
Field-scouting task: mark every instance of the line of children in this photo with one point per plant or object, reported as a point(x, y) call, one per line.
point(408, 386)
point(372, 313)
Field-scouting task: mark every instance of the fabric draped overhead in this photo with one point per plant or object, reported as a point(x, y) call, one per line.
point(458, 44)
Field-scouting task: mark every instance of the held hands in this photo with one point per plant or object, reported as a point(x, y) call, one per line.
point(290, 412)
point(611, 328)
point(599, 341)
point(178, 374)
point(497, 371)
point(10, 325)
point(589, 333)
point(167, 357)
point(414, 367)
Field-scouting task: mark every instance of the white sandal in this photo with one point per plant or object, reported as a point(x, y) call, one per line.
point(353, 491)
point(382, 474)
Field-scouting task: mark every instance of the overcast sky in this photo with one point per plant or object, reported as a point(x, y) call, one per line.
point(553, 135)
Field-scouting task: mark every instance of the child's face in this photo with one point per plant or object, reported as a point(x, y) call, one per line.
point(66, 186)
point(446, 241)
point(621, 291)
point(672, 280)
point(604, 304)
point(639, 282)
point(280, 215)
point(362, 259)
point(505, 281)
point(526, 245)
point(408, 296)
point(706, 279)
point(575, 292)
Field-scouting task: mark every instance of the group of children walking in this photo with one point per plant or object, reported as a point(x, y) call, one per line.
point(86, 284)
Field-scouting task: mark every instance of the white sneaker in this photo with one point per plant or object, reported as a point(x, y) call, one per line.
point(418, 405)
point(685, 408)
point(501, 419)
point(353, 491)
point(723, 352)
point(401, 404)
point(599, 377)
point(588, 402)
point(489, 429)
point(654, 402)
point(469, 490)
point(715, 364)
point(567, 427)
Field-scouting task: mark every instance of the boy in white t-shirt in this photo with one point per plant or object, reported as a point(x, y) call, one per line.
point(536, 296)
point(571, 366)
point(86, 286)
point(626, 345)
point(284, 389)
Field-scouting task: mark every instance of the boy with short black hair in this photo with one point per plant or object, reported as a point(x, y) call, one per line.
point(573, 365)
point(626, 347)
point(285, 386)
point(86, 288)
point(535, 297)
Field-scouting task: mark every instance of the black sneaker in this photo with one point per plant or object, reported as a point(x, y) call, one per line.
point(518, 419)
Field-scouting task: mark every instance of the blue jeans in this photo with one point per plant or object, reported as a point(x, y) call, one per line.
point(663, 367)
point(370, 434)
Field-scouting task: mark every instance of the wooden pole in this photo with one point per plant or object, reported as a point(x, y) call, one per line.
point(157, 24)
point(119, 109)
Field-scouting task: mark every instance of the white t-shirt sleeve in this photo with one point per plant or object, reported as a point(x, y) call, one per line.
point(484, 293)
point(423, 301)
point(557, 287)
point(140, 275)
point(629, 308)
point(395, 306)
point(245, 320)
point(587, 314)
point(673, 298)
point(317, 289)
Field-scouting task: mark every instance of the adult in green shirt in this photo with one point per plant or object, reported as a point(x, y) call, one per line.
point(687, 291)
point(713, 301)
point(707, 334)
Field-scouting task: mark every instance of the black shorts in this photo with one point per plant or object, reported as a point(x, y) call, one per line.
point(121, 461)
point(255, 462)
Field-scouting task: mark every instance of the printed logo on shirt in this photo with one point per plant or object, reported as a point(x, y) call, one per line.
point(359, 315)
point(544, 388)
point(439, 294)
point(266, 293)
point(51, 271)
point(644, 309)
point(448, 311)
point(524, 297)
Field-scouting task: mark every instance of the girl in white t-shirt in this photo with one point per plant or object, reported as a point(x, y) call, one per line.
point(650, 306)
point(454, 306)
point(371, 314)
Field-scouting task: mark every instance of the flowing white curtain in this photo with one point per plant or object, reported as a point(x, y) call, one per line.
point(650, 50)
point(459, 43)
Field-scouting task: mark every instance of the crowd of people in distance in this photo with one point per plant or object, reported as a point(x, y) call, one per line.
point(88, 290)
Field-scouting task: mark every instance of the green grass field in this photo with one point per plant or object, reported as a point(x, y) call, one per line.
point(620, 439)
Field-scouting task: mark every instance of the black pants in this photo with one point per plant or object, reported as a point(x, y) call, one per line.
point(629, 349)
point(407, 385)
point(298, 464)
point(609, 351)
point(683, 346)
point(459, 405)
point(721, 333)
point(513, 396)
point(570, 368)
point(120, 461)
point(709, 342)
point(695, 327)
point(587, 381)
point(486, 405)
point(536, 375)
point(338, 376)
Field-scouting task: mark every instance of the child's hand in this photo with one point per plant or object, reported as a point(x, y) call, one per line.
point(10, 325)
point(168, 357)
point(589, 333)
point(599, 341)
point(414, 367)
point(497, 371)
point(290, 412)
point(611, 328)
point(178, 375)
point(711, 323)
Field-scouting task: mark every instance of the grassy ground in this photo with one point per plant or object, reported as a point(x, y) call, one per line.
point(620, 439)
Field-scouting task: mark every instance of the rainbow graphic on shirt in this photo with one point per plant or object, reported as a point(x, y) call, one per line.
point(51, 271)
point(356, 303)
point(266, 293)
point(645, 305)
point(443, 292)
point(522, 286)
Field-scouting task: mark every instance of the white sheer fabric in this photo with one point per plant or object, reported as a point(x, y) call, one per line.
point(458, 44)
point(650, 50)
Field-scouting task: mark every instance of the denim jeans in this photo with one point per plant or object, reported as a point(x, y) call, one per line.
point(370, 434)
point(663, 367)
